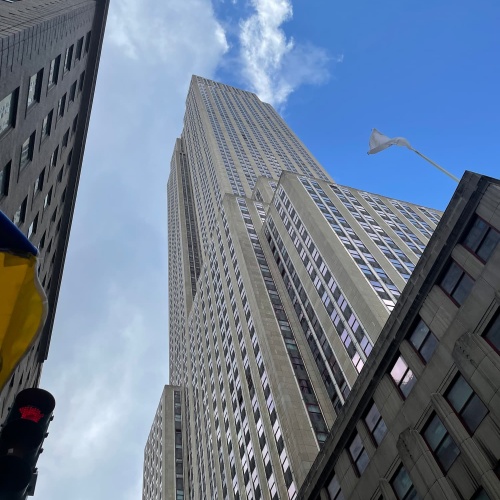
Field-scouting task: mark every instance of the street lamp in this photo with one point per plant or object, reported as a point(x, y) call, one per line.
point(379, 142)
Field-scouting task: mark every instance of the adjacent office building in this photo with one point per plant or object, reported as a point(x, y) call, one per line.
point(280, 282)
point(423, 419)
point(49, 56)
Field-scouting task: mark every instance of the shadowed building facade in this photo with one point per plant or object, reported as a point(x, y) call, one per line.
point(423, 418)
point(280, 282)
point(49, 56)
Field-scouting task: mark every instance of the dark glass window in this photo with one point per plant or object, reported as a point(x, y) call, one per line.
point(87, 42)
point(54, 71)
point(34, 88)
point(456, 283)
point(466, 403)
point(8, 107)
point(72, 92)
point(358, 454)
point(334, 491)
point(423, 340)
point(79, 47)
point(61, 106)
point(81, 81)
point(480, 495)
point(68, 58)
point(492, 332)
point(481, 239)
point(441, 443)
point(5, 180)
point(39, 183)
point(27, 151)
point(20, 215)
point(403, 377)
point(375, 424)
point(46, 125)
point(403, 487)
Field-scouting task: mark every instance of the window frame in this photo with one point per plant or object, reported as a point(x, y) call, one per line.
point(37, 91)
point(473, 396)
point(399, 383)
point(435, 451)
point(5, 173)
point(494, 322)
point(409, 491)
point(362, 452)
point(68, 58)
point(456, 286)
point(429, 335)
point(11, 120)
point(52, 82)
point(380, 419)
point(336, 494)
point(489, 229)
point(30, 151)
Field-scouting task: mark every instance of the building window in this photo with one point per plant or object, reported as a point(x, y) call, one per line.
point(20, 215)
point(27, 151)
point(8, 108)
point(334, 491)
point(480, 495)
point(61, 106)
point(65, 139)
point(87, 42)
point(403, 377)
point(441, 443)
point(79, 48)
point(75, 123)
point(424, 341)
point(403, 487)
point(5, 180)
point(54, 157)
point(358, 454)
point(34, 88)
point(68, 58)
point(492, 332)
point(39, 183)
point(33, 226)
point(466, 403)
point(72, 92)
point(46, 126)
point(48, 199)
point(81, 82)
point(481, 239)
point(54, 71)
point(375, 424)
point(456, 283)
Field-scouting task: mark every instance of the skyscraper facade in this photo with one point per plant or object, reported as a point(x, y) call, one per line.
point(280, 282)
point(49, 56)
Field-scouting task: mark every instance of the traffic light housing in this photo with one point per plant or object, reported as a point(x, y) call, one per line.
point(21, 440)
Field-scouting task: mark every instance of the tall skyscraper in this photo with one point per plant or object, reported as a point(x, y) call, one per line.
point(280, 282)
point(49, 56)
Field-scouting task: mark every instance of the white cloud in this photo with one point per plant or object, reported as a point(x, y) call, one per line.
point(160, 30)
point(274, 65)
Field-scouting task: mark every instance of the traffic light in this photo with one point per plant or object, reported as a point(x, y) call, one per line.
point(21, 440)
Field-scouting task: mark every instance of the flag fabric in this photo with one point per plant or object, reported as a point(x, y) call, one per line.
point(23, 303)
point(379, 142)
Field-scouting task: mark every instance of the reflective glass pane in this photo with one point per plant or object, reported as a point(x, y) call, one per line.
point(451, 278)
point(429, 347)
point(488, 245)
point(459, 393)
point(434, 433)
point(463, 289)
point(408, 383)
point(419, 334)
point(447, 452)
point(372, 417)
point(474, 413)
point(476, 234)
point(380, 431)
point(399, 370)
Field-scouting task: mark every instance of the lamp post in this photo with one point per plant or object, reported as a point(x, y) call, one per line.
point(378, 142)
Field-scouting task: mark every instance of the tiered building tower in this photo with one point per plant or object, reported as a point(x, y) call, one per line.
point(280, 281)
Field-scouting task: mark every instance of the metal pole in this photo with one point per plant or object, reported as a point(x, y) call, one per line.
point(436, 165)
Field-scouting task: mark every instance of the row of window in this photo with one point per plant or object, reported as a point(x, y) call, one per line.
point(8, 105)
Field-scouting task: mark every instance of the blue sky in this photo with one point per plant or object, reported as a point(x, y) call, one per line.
point(427, 71)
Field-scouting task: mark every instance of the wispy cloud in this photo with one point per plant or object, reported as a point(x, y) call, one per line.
point(274, 65)
point(158, 30)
